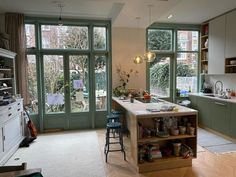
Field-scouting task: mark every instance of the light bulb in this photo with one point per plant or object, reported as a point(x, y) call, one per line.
point(60, 22)
point(138, 59)
point(150, 56)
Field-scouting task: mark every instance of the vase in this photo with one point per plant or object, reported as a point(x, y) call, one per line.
point(206, 43)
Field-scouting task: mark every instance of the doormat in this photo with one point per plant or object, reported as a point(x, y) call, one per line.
point(215, 143)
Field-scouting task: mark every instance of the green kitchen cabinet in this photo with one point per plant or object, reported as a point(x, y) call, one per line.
point(204, 112)
point(232, 120)
point(220, 115)
point(193, 100)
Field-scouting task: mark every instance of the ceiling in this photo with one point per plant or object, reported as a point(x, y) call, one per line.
point(123, 13)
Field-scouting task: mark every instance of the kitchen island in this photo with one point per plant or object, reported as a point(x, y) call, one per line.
point(143, 120)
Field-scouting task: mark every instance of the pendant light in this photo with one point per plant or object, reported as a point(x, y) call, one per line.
point(138, 58)
point(60, 22)
point(149, 56)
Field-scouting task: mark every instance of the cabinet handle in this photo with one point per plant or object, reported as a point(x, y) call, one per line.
point(9, 115)
point(221, 104)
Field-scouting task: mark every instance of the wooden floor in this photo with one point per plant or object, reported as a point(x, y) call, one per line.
point(207, 164)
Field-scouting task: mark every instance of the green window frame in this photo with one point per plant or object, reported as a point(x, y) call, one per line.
point(174, 53)
point(39, 51)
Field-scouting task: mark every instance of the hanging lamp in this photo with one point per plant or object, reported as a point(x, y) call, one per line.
point(138, 59)
point(149, 56)
point(60, 22)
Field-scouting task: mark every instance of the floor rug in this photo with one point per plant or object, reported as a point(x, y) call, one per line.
point(63, 154)
point(215, 143)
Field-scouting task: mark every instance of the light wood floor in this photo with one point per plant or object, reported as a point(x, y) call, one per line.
point(207, 164)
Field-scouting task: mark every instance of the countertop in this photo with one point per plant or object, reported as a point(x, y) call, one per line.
point(231, 100)
point(140, 109)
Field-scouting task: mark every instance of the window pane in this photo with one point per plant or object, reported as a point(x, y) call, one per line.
point(32, 83)
point(30, 35)
point(101, 82)
point(79, 79)
point(187, 73)
point(160, 77)
point(64, 37)
point(160, 40)
point(187, 40)
point(54, 83)
point(99, 40)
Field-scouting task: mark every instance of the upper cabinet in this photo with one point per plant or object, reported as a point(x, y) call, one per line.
point(230, 47)
point(217, 46)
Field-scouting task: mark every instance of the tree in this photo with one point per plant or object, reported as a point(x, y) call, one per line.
point(159, 74)
point(159, 40)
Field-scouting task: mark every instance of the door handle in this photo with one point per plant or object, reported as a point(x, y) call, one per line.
point(221, 104)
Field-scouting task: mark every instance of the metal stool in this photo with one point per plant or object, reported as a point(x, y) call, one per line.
point(114, 126)
point(124, 125)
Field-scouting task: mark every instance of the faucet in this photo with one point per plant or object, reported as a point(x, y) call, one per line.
point(216, 89)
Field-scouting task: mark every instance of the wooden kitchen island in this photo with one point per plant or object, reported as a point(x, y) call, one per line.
point(138, 115)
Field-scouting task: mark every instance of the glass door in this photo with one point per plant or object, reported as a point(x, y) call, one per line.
point(74, 97)
point(160, 72)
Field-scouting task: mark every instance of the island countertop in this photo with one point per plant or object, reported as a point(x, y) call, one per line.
point(140, 109)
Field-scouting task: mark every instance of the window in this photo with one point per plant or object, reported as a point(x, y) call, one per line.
point(30, 35)
point(176, 64)
point(160, 77)
point(160, 40)
point(32, 83)
point(99, 38)
point(64, 37)
point(187, 62)
point(101, 82)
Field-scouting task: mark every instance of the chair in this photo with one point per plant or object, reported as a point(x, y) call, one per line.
point(4, 169)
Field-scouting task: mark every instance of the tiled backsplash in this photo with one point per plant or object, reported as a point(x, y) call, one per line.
point(228, 80)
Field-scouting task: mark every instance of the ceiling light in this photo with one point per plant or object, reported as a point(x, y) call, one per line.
point(138, 59)
point(60, 22)
point(149, 56)
point(170, 16)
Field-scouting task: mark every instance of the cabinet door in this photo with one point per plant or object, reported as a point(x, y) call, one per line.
point(233, 120)
point(230, 35)
point(12, 132)
point(193, 100)
point(220, 112)
point(204, 112)
point(1, 143)
point(216, 63)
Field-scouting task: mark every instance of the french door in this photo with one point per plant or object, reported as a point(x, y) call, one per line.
point(74, 90)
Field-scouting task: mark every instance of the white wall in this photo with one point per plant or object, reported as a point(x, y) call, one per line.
point(2, 23)
point(228, 80)
point(126, 43)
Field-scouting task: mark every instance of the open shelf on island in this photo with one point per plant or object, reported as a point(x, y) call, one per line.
point(157, 139)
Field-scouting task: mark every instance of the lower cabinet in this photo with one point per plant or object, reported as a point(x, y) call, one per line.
point(218, 115)
point(232, 124)
point(204, 111)
point(10, 129)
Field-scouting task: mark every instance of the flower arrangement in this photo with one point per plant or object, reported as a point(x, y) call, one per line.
point(124, 78)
